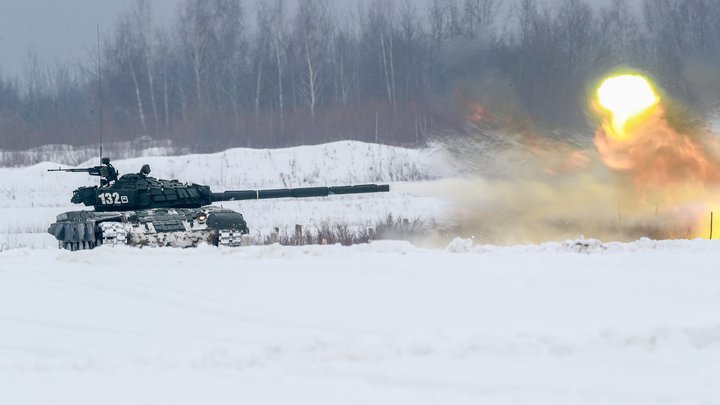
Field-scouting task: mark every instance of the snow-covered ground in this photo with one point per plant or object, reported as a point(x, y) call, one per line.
point(385, 323)
point(579, 322)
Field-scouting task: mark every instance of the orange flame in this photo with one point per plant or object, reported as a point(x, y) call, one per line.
point(658, 156)
point(666, 166)
point(477, 112)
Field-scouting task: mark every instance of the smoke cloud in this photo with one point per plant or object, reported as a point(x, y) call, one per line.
point(519, 185)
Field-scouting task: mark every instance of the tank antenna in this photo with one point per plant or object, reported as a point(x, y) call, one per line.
point(100, 91)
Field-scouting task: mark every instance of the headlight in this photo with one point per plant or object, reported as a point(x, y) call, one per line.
point(201, 217)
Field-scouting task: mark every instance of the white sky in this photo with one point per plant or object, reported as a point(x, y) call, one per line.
point(64, 30)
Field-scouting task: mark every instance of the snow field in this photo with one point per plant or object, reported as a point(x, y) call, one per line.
point(577, 322)
point(386, 323)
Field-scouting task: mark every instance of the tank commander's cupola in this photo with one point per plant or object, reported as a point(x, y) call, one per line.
point(145, 170)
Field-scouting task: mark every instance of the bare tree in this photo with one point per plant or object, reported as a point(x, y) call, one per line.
point(193, 29)
point(128, 49)
point(479, 15)
point(310, 20)
point(574, 27)
point(164, 59)
point(141, 20)
point(229, 57)
point(278, 37)
point(384, 17)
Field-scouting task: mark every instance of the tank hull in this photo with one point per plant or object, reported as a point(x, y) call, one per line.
point(174, 227)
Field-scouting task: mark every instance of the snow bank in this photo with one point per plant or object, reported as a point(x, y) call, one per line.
point(335, 163)
point(74, 155)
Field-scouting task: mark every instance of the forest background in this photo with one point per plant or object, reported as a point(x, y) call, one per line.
point(391, 72)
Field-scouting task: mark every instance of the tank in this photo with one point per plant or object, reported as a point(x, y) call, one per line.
point(139, 210)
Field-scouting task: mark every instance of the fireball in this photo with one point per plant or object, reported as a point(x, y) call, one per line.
point(626, 97)
point(670, 171)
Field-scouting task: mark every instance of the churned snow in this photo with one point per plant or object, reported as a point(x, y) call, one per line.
point(576, 322)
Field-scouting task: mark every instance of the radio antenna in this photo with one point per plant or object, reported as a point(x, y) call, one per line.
point(100, 91)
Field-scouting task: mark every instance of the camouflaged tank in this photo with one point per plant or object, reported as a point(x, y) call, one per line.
point(139, 210)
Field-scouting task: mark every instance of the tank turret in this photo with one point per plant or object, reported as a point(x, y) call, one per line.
point(140, 191)
point(167, 209)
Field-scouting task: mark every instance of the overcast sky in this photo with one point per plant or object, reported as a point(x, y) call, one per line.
point(59, 30)
point(64, 30)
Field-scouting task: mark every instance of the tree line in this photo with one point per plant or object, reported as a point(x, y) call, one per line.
point(229, 73)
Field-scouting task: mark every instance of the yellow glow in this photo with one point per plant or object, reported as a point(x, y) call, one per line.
point(626, 97)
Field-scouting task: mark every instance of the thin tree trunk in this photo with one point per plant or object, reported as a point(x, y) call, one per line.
point(258, 88)
point(343, 87)
point(386, 70)
point(281, 100)
point(183, 103)
point(312, 75)
point(377, 127)
point(151, 83)
point(141, 112)
point(166, 103)
point(392, 75)
point(196, 69)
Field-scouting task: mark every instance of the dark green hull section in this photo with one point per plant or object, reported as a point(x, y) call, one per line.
point(179, 227)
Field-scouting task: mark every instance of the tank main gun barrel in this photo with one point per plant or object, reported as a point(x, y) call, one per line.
point(299, 192)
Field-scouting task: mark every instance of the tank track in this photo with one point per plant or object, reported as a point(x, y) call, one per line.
point(113, 234)
point(74, 246)
point(182, 228)
point(116, 234)
point(229, 238)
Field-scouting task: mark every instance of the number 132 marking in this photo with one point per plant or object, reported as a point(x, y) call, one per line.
point(111, 198)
